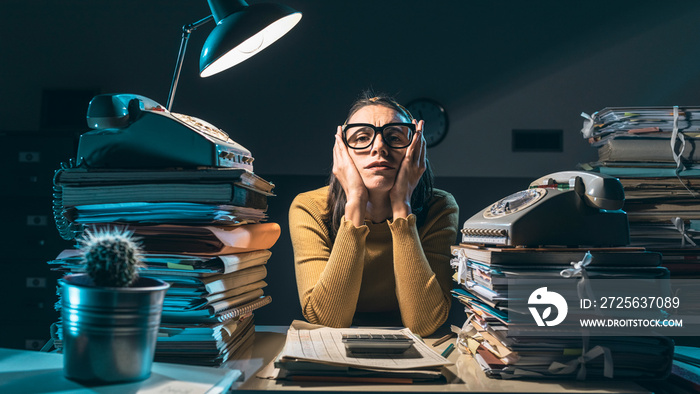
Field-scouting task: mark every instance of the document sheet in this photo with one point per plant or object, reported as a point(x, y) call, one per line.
point(309, 342)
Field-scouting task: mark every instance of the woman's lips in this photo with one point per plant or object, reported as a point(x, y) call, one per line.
point(379, 166)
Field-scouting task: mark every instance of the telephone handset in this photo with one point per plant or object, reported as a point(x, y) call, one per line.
point(569, 208)
point(117, 111)
point(133, 131)
point(598, 190)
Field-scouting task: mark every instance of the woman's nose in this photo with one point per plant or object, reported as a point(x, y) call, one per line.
point(379, 145)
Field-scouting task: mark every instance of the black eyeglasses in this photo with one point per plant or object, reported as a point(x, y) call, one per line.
point(362, 135)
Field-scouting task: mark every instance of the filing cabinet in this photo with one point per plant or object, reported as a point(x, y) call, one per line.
point(28, 234)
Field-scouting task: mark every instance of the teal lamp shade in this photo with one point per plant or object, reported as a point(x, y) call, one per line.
point(241, 31)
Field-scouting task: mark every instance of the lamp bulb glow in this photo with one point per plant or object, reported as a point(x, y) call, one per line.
point(252, 45)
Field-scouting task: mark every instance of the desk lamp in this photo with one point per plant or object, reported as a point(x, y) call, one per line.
point(241, 31)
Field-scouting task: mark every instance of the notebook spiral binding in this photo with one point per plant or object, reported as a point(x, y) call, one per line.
point(66, 229)
point(244, 309)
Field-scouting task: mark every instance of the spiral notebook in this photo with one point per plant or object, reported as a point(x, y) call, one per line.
point(206, 315)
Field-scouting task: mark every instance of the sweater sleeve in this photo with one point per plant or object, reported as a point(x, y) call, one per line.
point(422, 265)
point(328, 276)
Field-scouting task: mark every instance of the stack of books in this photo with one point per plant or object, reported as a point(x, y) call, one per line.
point(506, 347)
point(202, 231)
point(654, 152)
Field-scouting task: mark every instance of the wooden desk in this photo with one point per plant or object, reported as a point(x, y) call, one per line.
point(269, 341)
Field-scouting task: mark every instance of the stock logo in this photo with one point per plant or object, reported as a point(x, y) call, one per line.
point(543, 297)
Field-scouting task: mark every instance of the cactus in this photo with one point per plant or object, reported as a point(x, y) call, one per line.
point(111, 257)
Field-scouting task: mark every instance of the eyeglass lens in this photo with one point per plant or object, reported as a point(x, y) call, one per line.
point(396, 136)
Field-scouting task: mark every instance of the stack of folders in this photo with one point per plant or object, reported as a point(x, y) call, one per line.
point(501, 347)
point(201, 232)
point(654, 151)
point(314, 353)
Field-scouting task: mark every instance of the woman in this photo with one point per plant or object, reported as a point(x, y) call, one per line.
point(373, 247)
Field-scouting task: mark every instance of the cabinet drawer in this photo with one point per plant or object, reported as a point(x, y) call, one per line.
point(33, 158)
point(29, 230)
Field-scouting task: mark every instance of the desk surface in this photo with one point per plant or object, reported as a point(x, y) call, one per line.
point(24, 371)
point(269, 341)
point(35, 372)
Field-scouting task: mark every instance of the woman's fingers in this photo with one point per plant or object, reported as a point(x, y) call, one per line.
point(340, 158)
point(341, 149)
point(423, 147)
point(415, 153)
point(336, 154)
point(344, 168)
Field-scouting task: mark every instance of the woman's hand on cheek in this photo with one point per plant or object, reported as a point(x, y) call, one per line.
point(412, 168)
point(355, 190)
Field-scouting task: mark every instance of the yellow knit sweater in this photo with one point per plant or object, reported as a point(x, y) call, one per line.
point(381, 267)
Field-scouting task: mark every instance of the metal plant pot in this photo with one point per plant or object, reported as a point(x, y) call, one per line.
point(109, 333)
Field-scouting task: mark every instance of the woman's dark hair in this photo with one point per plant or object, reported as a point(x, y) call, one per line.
point(336, 195)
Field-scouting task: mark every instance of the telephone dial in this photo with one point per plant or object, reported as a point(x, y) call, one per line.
point(569, 208)
point(132, 131)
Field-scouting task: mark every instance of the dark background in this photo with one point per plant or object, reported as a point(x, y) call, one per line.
point(495, 67)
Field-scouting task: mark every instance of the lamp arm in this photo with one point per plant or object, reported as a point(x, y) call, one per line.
point(186, 31)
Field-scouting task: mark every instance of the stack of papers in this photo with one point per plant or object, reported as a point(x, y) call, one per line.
point(317, 353)
point(505, 348)
point(645, 122)
point(208, 344)
point(192, 196)
point(654, 151)
point(201, 232)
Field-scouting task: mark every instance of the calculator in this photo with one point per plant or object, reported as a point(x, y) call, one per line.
point(377, 343)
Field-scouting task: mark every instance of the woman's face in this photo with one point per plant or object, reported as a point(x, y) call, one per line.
point(378, 164)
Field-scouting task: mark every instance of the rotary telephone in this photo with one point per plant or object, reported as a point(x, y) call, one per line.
point(132, 131)
point(569, 208)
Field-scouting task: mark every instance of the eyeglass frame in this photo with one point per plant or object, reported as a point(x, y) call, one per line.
point(378, 130)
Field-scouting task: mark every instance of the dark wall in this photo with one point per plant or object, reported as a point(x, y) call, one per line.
point(495, 67)
point(472, 195)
